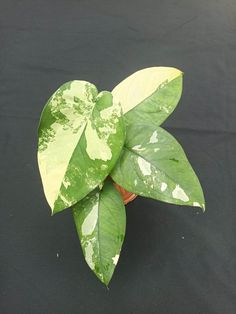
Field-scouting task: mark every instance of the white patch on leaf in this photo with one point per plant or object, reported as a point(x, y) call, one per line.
point(144, 166)
point(114, 109)
point(115, 259)
point(135, 182)
point(106, 113)
point(179, 194)
point(138, 148)
point(96, 148)
point(153, 138)
point(141, 84)
point(107, 130)
point(58, 152)
point(88, 252)
point(104, 167)
point(163, 186)
point(156, 149)
point(66, 183)
point(196, 204)
point(90, 221)
point(64, 199)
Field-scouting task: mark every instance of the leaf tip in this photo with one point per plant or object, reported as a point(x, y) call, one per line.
point(201, 205)
point(54, 210)
point(104, 278)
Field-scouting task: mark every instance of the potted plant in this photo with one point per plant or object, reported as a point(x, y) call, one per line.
point(95, 147)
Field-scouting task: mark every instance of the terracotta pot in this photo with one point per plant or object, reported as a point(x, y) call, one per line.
point(127, 196)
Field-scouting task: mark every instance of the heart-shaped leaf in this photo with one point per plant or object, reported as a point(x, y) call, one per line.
point(153, 164)
point(81, 134)
point(100, 221)
point(150, 94)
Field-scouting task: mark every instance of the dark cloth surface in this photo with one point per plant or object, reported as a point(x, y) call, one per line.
point(174, 259)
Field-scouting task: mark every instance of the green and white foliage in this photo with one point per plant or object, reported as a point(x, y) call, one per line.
point(154, 165)
point(85, 136)
point(150, 95)
point(81, 134)
point(100, 221)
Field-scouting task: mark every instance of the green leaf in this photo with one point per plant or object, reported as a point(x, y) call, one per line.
point(100, 221)
point(153, 164)
point(81, 134)
point(150, 95)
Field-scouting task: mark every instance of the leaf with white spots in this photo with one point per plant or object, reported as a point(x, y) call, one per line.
point(81, 134)
point(158, 169)
point(100, 221)
point(150, 94)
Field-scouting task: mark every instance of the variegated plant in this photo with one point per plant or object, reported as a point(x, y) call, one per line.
point(88, 139)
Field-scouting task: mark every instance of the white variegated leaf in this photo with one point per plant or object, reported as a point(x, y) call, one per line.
point(153, 164)
point(100, 221)
point(81, 134)
point(149, 94)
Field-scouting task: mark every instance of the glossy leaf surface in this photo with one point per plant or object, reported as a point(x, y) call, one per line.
point(100, 221)
point(81, 134)
point(150, 95)
point(153, 164)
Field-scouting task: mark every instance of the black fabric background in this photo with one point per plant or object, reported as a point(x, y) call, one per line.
point(175, 259)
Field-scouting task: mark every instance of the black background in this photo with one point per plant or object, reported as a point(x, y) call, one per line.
point(175, 259)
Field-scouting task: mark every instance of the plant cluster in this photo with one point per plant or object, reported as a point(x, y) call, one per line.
point(87, 140)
